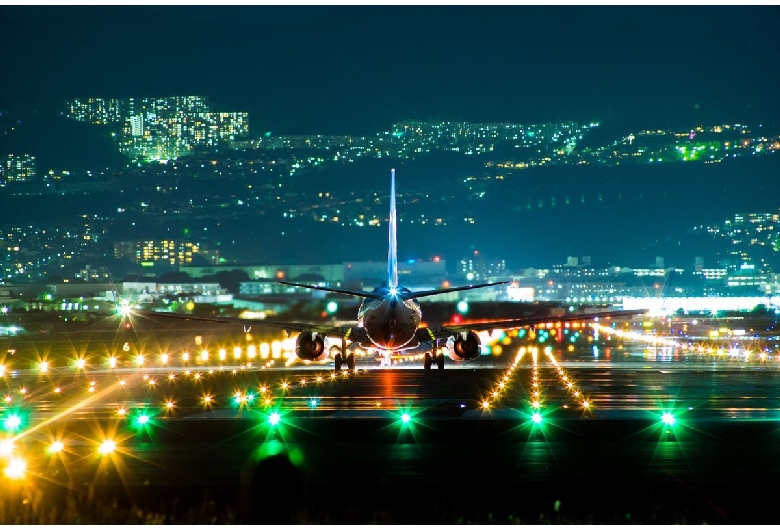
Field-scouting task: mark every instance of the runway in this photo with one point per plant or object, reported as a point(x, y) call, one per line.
point(541, 424)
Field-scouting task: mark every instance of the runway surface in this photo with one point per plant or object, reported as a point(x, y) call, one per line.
point(604, 428)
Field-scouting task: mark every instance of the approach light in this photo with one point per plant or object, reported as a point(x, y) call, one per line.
point(15, 469)
point(56, 447)
point(107, 447)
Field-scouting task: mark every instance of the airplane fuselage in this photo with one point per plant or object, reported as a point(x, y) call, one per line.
point(390, 322)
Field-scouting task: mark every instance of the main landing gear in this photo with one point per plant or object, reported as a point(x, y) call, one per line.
point(431, 358)
point(348, 359)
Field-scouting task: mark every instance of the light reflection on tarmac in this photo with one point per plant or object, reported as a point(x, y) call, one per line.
point(600, 415)
point(631, 380)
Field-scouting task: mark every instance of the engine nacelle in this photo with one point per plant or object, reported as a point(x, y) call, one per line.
point(464, 346)
point(310, 346)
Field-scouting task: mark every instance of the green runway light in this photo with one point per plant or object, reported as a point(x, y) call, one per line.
point(406, 418)
point(274, 418)
point(12, 422)
point(536, 418)
point(668, 418)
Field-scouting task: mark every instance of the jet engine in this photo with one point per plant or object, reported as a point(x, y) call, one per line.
point(310, 346)
point(464, 346)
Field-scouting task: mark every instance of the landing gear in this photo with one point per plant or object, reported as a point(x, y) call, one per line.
point(386, 360)
point(342, 359)
point(430, 358)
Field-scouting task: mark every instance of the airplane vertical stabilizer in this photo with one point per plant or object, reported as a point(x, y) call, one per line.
point(392, 252)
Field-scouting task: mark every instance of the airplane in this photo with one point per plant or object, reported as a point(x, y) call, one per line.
point(389, 318)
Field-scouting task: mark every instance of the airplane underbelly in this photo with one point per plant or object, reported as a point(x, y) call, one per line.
point(390, 338)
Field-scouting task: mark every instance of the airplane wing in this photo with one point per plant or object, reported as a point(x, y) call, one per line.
point(450, 329)
point(434, 292)
point(324, 328)
point(362, 294)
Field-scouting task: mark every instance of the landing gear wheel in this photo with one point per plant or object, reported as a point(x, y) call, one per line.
point(427, 362)
point(351, 361)
point(440, 361)
point(338, 362)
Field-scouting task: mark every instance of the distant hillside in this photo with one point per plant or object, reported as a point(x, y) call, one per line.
point(57, 142)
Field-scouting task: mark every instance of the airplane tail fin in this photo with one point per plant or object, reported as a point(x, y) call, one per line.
point(392, 252)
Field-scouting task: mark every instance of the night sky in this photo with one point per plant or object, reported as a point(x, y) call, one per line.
point(356, 70)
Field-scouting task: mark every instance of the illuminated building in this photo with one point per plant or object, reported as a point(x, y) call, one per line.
point(18, 168)
point(160, 129)
point(149, 251)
